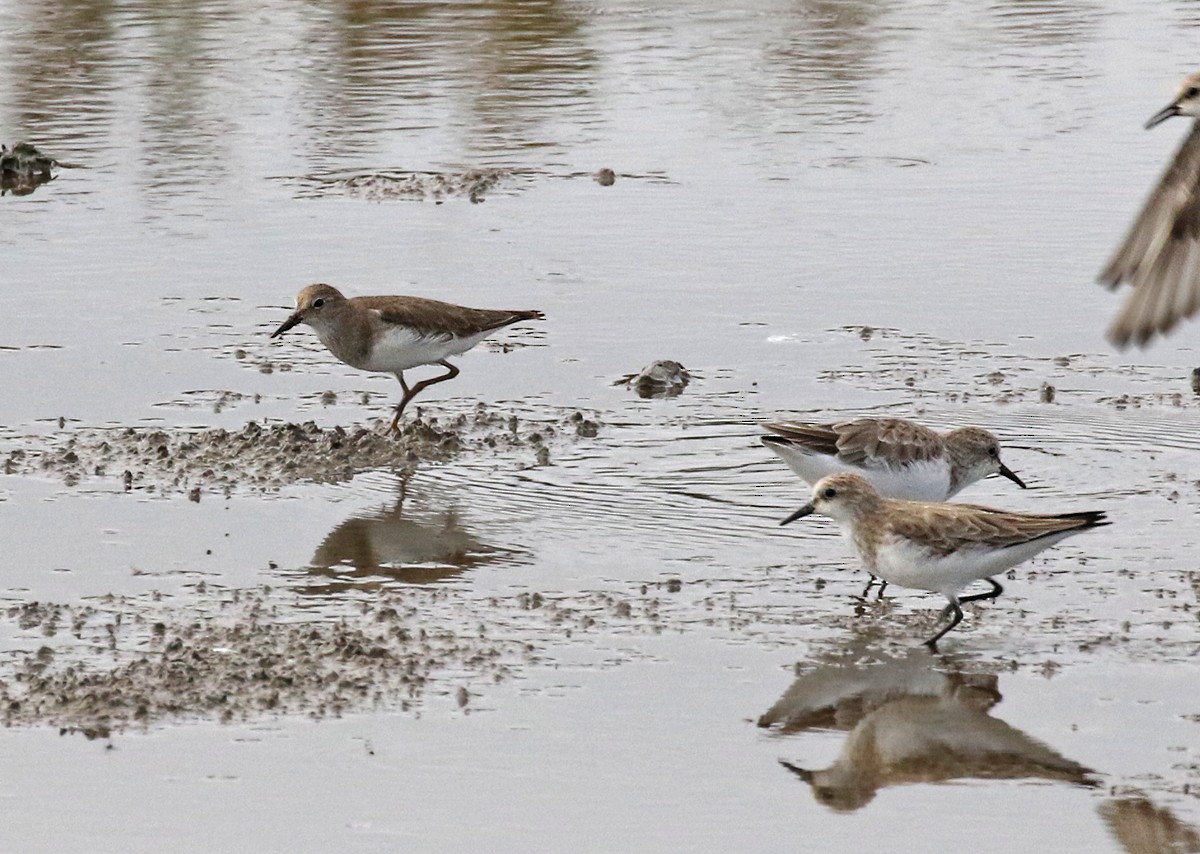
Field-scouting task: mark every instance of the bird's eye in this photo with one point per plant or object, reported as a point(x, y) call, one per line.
point(1191, 92)
point(318, 302)
point(993, 452)
point(829, 492)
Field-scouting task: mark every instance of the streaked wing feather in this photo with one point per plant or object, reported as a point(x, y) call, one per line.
point(945, 528)
point(867, 442)
point(818, 438)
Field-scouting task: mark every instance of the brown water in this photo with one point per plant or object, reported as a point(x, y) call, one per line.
point(594, 642)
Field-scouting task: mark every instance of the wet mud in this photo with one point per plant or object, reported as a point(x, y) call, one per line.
point(272, 455)
point(103, 666)
point(473, 185)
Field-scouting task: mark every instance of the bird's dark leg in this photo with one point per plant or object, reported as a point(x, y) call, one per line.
point(954, 608)
point(403, 400)
point(991, 594)
point(882, 585)
point(410, 393)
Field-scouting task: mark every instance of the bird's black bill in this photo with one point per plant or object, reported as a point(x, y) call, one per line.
point(286, 325)
point(803, 773)
point(1005, 471)
point(799, 514)
point(1162, 115)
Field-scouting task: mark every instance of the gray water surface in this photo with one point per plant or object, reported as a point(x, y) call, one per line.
point(822, 209)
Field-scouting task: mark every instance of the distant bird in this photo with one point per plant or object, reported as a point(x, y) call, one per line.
point(1160, 256)
point(935, 546)
point(660, 379)
point(25, 161)
point(391, 334)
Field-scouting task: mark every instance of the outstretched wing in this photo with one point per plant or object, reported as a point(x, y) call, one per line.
point(1160, 256)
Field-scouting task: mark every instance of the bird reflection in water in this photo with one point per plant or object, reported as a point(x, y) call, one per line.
point(908, 722)
point(370, 551)
point(1143, 828)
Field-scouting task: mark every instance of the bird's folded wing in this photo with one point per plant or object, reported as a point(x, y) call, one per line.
point(878, 442)
point(945, 528)
point(435, 318)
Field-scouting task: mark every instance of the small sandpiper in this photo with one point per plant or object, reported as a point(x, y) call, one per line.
point(899, 458)
point(391, 334)
point(934, 546)
point(1160, 255)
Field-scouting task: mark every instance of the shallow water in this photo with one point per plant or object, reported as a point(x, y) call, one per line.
point(573, 637)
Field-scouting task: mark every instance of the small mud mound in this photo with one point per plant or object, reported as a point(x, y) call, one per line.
point(268, 457)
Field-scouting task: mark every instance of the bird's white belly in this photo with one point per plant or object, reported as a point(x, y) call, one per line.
point(928, 480)
point(907, 564)
point(400, 348)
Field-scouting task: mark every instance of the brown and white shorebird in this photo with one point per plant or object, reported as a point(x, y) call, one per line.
point(390, 334)
point(1160, 256)
point(900, 458)
point(935, 546)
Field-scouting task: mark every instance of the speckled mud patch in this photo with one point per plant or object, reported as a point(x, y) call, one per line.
point(246, 653)
point(471, 184)
point(273, 455)
point(233, 655)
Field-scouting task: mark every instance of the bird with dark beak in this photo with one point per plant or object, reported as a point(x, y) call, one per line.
point(1160, 256)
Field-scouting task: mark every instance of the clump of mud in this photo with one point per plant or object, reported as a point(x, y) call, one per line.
point(471, 184)
point(270, 456)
